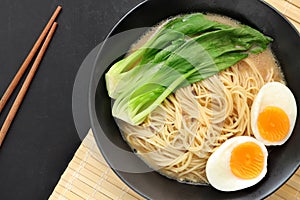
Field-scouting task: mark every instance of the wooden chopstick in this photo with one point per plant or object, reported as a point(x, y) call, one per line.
point(28, 59)
point(25, 85)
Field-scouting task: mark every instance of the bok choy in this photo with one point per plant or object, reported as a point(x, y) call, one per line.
point(187, 49)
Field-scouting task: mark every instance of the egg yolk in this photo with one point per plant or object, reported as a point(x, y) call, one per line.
point(247, 160)
point(273, 124)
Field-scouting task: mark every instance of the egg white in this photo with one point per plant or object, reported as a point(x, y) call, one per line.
point(278, 95)
point(218, 169)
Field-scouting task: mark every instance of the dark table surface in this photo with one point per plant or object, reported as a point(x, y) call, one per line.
point(43, 138)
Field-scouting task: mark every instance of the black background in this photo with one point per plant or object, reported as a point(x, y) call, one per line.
point(43, 139)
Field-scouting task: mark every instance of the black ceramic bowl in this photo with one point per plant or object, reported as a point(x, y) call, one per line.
point(283, 161)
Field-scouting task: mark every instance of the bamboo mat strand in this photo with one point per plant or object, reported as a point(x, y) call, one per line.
point(88, 177)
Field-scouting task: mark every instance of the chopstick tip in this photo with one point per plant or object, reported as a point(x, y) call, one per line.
point(54, 25)
point(58, 9)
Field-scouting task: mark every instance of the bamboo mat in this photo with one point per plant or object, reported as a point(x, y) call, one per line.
point(89, 177)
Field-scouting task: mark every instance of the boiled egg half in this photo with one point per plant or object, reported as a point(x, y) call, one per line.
point(238, 163)
point(273, 114)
